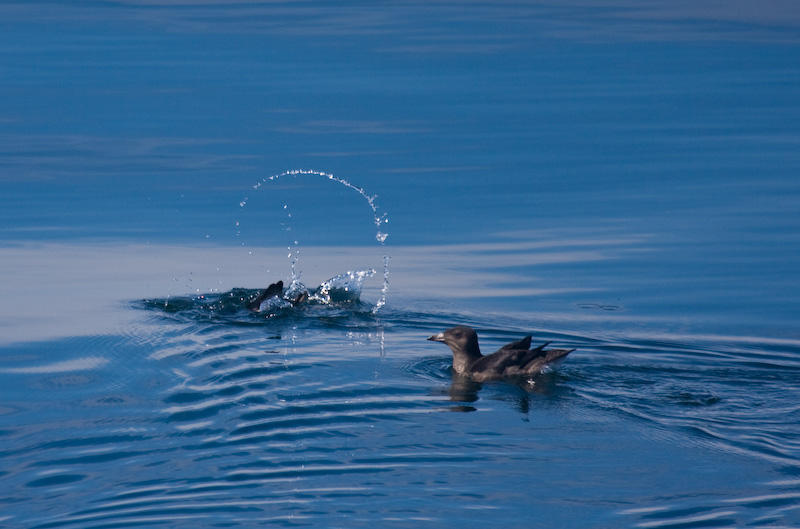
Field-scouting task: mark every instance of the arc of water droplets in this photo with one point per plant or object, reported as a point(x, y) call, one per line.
point(378, 218)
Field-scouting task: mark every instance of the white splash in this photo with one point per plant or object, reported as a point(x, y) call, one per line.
point(344, 287)
point(380, 219)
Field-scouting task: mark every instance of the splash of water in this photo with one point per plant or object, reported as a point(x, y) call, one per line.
point(380, 219)
point(343, 287)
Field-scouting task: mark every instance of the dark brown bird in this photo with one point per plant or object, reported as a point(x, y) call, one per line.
point(511, 360)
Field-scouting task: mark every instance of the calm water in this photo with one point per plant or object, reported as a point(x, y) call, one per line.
point(615, 178)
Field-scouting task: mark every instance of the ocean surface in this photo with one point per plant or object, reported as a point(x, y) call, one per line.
point(622, 178)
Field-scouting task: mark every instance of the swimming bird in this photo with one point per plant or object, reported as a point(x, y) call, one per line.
point(512, 360)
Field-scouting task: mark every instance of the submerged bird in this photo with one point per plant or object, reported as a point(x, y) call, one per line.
point(275, 290)
point(512, 360)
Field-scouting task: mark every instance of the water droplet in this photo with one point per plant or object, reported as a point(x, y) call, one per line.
point(378, 219)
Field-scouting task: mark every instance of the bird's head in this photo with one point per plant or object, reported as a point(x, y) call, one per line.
point(461, 340)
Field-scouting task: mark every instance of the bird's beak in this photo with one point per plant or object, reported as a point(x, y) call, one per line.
point(437, 337)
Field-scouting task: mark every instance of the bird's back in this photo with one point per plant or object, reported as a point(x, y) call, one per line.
point(510, 361)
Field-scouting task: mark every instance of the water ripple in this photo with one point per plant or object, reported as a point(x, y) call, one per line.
point(292, 424)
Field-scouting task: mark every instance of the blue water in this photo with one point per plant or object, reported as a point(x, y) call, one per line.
point(615, 178)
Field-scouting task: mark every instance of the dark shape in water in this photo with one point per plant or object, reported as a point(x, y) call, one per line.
point(340, 295)
point(511, 360)
point(275, 290)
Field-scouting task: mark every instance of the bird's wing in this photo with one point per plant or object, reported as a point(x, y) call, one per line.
point(275, 289)
point(533, 364)
point(498, 362)
point(524, 344)
point(533, 354)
